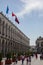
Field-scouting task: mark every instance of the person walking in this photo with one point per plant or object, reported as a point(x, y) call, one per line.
point(29, 60)
point(16, 58)
point(22, 59)
point(36, 55)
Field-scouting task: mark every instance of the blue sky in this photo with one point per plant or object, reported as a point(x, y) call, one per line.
point(30, 15)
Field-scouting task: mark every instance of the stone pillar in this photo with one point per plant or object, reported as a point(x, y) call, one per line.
point(0, 45)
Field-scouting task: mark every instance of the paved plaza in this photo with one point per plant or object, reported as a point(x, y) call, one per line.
point(34, 61)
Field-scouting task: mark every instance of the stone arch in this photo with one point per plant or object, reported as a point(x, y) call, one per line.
point(3, 47)
point(3, 24)
point(6, 29)
point(0, 45)
point(6, 47)
point(9, 46)
point(0, 25)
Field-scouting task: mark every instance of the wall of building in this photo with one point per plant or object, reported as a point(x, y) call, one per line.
point(11, 38)
point(39, 45)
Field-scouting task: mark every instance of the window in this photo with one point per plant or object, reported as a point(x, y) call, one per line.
point(6, 47)
point(0, 44)
point(9, 31)
point(0, 25)
point(6, 28)
point(41, 43)
point(3, 47)
point(3, 28)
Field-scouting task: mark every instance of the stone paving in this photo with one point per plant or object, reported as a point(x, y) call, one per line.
point(34, 61)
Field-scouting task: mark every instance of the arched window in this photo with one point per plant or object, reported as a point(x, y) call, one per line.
point(3, 47)
point(3, 27)
point(42, 44)
point(6, 28)
point(0, 25)
point(0, 44)
point(6, 47)
point(9, 31)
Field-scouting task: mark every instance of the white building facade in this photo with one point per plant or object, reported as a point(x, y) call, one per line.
point(11, 38)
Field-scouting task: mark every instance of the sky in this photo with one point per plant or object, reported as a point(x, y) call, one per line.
point(30, 16)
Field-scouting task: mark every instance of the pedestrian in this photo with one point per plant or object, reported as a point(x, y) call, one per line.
point(22, 59)
point(36, 55)
point(16, 58)
point(29, 60)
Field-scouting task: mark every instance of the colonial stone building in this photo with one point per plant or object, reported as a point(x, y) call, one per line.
point(33, 48)
point(11, 38)
point(39, 44)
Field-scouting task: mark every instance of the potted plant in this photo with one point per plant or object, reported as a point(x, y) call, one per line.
point(25, 54)
point(1, 63)
point(19, 56)
point(8, 60)
point(13, 57)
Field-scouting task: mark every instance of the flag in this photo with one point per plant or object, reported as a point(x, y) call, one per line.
point(16, 19)
point(13, 14)
point(7, 10)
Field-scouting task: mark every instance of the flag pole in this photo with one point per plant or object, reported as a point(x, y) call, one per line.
point(16, 21)
point(7, 11)
point(15, 38)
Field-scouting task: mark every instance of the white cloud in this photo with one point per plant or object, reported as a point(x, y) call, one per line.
point(30, 5)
